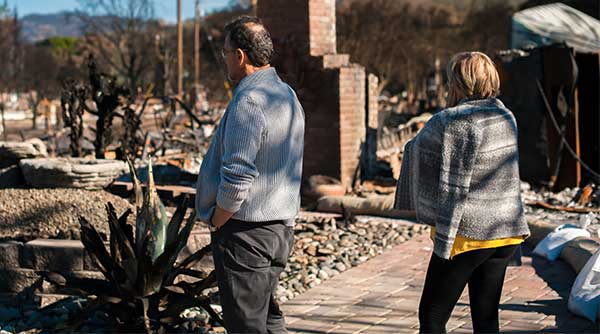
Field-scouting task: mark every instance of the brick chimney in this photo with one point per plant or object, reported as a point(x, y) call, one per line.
point(332, 90)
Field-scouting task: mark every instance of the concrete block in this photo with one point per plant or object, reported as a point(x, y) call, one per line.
point(53, 255)
point(9, 254)
point(16, 280)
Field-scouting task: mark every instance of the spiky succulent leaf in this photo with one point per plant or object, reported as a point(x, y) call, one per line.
point(123, 252)
point(165, 261)
point(127, 228)
point(72, 285)
point(140, 222)
point(95, 247)
point(176, 220)
point(187, 264)
point(197, 287)
point(194, 258)
point(155, 216)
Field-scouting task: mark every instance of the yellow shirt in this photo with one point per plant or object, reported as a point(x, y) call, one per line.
point(463, 244)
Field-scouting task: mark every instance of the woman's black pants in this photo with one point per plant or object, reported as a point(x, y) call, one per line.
point(483, 270)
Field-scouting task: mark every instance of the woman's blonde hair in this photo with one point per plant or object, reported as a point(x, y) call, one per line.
point(471, 75)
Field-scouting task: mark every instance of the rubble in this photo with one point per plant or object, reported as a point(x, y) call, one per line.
point(563, 207)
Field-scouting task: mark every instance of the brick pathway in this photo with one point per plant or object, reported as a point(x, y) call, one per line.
point(382, 296)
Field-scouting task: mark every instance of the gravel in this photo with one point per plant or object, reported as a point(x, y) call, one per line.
point(27, 214)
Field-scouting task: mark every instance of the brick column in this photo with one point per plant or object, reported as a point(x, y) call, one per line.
point(330, 88)
point(321, 21)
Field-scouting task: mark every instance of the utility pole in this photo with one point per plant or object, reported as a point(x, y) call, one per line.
point(179, 50)
point(197, 46)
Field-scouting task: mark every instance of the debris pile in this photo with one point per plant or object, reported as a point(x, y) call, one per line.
point(571, 205)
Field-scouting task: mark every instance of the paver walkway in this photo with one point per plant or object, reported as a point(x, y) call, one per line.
point(382, 296)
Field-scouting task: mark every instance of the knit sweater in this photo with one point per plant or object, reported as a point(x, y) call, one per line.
point(253, 166)
point(460, 174)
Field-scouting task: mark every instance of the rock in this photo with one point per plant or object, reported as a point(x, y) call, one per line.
point(340, 266)
point(12, 152)
point(311, 250)
point(345, 243)
point(323, 275)
point(325, 251)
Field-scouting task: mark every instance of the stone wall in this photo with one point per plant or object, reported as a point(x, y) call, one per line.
point(20, 262)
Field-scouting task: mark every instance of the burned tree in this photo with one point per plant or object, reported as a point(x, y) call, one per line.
point(72, 103)
point(106, 94)
point(104, 98)
point(133, 138)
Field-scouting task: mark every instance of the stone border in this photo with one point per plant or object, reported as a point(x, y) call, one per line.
point(576, 252)
point(71, 172)
point(20, 262)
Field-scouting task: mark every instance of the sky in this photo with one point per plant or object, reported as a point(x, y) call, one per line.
point(165, 9)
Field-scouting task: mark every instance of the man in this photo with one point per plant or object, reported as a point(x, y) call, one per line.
point(249, 184)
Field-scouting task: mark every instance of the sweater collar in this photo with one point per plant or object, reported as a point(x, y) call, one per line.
point(478, 102)
point(266, 74)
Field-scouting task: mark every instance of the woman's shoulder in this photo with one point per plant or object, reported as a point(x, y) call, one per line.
point(475, 111)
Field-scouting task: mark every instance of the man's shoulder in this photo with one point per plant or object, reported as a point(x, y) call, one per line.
point(264, 93)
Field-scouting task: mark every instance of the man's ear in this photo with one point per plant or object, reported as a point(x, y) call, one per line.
point(240, 55)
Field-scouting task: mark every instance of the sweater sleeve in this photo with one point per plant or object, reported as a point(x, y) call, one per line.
point(243, 135)
point(460, 140)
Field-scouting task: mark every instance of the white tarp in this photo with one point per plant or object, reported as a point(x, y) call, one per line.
point(555, 23)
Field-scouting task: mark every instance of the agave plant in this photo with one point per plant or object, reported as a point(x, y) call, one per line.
point(141, 290)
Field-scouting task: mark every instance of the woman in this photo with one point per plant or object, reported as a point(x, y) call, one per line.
point(461, 176)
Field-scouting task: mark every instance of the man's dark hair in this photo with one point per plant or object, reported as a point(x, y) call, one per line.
point(249, 34)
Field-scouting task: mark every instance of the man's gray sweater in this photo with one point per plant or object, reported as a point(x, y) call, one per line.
point(253, 167)
point(461, 175)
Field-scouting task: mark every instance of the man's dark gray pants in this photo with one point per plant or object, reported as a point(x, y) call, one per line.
point(249, 257)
